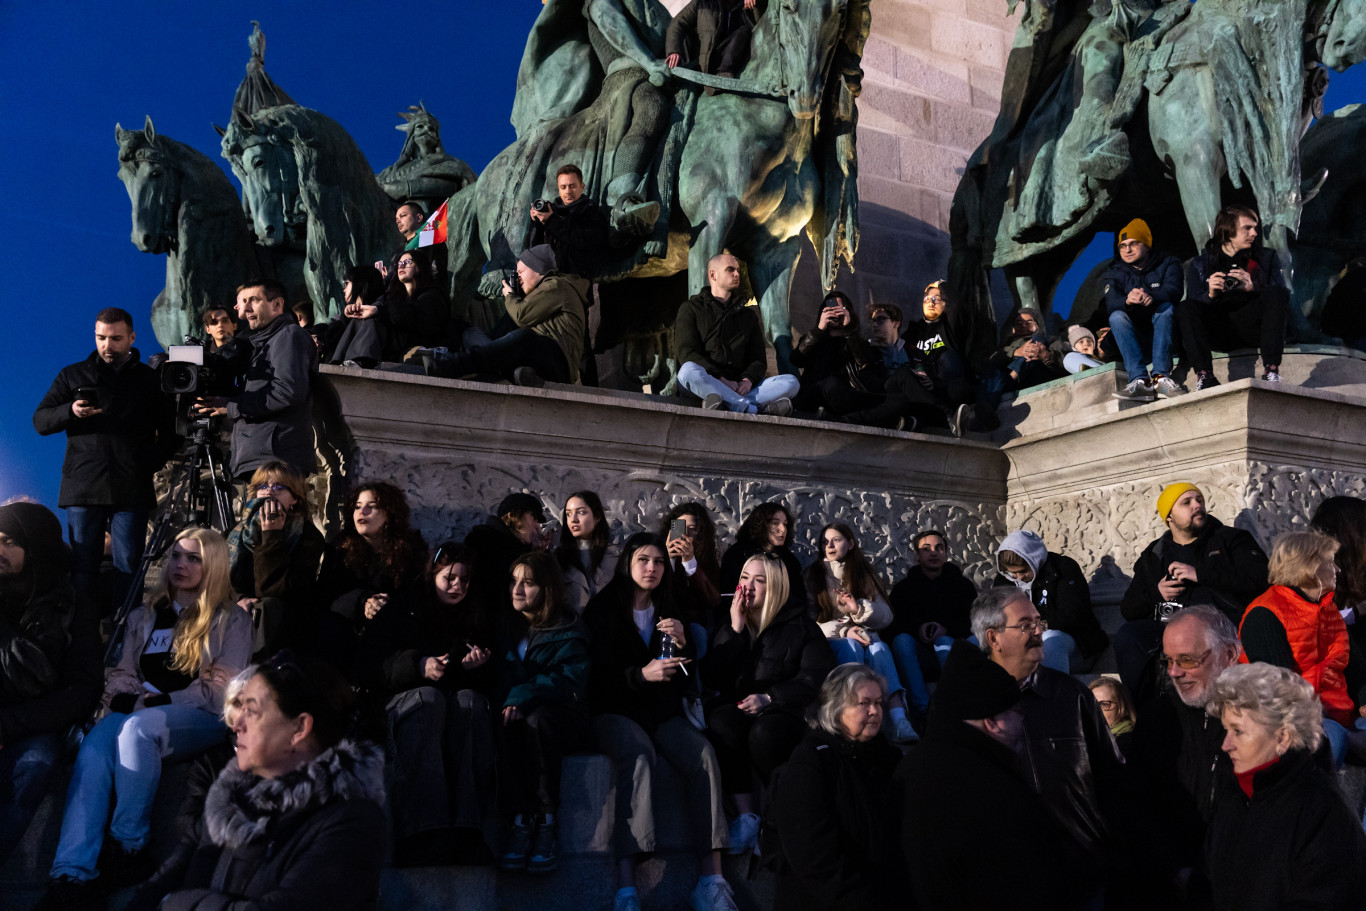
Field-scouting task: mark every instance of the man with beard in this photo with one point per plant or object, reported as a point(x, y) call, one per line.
point(1198, 561)
point(1068, 756)
point(1177, 748)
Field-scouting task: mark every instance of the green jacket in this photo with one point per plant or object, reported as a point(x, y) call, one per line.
point(725, 339)
point(553, 672)
point(702, 18)
point(555, 308)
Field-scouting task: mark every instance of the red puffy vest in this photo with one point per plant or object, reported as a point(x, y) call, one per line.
point(1318, 639)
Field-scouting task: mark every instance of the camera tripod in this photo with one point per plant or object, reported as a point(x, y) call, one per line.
point(201, 495)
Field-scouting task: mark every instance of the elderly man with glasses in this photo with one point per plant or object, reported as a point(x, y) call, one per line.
point(1068, 755)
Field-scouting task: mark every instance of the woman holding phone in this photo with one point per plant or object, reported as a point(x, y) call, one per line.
point(767, 664)
point(637, 680)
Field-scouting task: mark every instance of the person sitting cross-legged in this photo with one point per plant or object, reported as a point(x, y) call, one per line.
point(1141, 292)
point(719, 346)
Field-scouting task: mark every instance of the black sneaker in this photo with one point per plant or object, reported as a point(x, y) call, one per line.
point(1205, 380)
point(519, 843)
point(1139, 390)
point(544, 856)
point(67, 894)
point(714, 402)
point(120, 868)
point(958, 420)
point(527, 376)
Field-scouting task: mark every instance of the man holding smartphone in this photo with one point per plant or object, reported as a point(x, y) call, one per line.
point(119, 431)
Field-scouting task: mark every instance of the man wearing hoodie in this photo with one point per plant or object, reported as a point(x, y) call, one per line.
point(1058, 589)
point(1142, 289)
point(1199, 560)
point(50, 673)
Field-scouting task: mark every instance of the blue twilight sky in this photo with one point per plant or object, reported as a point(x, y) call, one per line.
point(70, 71)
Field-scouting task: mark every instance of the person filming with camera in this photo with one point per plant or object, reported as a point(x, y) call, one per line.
point(119, 431)
point(272, 416)
point(572, 224)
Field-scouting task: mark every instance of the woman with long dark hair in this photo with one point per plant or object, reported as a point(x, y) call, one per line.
point(841, 372)
point(1344, 520)
point(163, 699)
point(358, 336)
point(414, 310)
point(851, 607)
point(767, 530)
point(586, 554)
point(376, 559)
point(636, 684)
point(543, 699)
point(433, 661)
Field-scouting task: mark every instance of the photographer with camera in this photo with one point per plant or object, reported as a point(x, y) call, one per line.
point(272, 416)
point(573, 226)
point(1200, 560)
point(119, 431)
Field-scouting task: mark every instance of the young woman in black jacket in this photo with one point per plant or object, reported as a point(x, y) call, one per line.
point(432, 663)
point(636, 685)
point(767, 664)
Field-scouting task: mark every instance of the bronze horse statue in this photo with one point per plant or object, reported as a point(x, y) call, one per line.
point(307, 186)
point(768, 157)
point(1212, 103)
point(1333, 227)
point(185, 207)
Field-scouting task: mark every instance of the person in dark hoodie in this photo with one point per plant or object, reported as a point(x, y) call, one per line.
point(840, 371)
point(1142, 289)
point(974, 833)
point(1199, 560)
point(573, 225)
point(1057, 586)
point(119, 431)
point(766, 665)
point(512, 530)
point(50, 673)
point(543, 701)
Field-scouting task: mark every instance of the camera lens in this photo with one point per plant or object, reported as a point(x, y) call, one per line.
point(178, 377)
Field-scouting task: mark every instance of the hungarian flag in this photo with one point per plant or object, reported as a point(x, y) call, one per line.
point(433, 230)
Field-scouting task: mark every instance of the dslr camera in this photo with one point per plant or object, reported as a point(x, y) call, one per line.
point(541, 205)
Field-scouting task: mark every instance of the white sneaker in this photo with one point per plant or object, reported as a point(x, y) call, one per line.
point(1272, 376)
point(1167, 388)
point(1139, 390)
point(744, 833)
point(900, 730)
point(712, 896)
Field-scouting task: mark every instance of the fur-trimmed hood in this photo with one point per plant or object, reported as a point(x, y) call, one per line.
point(241, 807)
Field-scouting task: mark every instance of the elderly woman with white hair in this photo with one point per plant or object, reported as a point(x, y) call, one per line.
point(1281, 836)
point(835, 826)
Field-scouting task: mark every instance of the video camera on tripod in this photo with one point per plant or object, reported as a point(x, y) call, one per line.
point(185, 377)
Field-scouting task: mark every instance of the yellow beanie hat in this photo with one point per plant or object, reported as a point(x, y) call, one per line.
point(1137, 230)
point(1170, 494)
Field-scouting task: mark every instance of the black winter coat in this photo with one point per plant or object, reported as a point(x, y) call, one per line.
point(341, 594)
point(836, 827)
point(312, 839)
point(577, 233)
point(851, 359)
point(495, 547)
point(1232, 569)
point(1063, 599)
point(1293, 845)
point(958, 774)
point(788, 661)
point(111, 457)
point(1160, 276)
point(273, 416)
point(412, 321)
point(917, 600)
point(618, 655)
point(725, 339)
point(394, 646)
point(51, 672)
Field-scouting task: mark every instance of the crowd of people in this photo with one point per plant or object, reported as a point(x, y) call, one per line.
point(365, 698)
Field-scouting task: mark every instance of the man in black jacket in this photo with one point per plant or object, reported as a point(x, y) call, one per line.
point(719, 346)
point(718, 33)
point(50, 674)
point(974, 832)
point(1068, 757)
point(273, 415)
point(1198, 561)
point(119, 431)
point(573, 225)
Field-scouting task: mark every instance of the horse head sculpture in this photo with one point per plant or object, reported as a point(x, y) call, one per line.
point(153, 183)
point(262, 156)
point(807, 33)
point(1345, 43)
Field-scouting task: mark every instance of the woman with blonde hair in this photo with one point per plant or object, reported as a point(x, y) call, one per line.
point(1281, 836)
point(1294, 624)
point(767, 665)
point(163, 700)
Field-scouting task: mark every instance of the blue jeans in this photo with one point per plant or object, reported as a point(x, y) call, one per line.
point(26, 767)
point(907, 659)
point(1126, 335)
point(877, 656)
point(1060, 651)
point(702, 384)
point(127, 527)
point(122, 756)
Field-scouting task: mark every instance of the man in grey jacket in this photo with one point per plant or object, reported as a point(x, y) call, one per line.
point(272, 415)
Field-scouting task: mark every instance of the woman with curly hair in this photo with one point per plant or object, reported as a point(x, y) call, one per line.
point(586, 554)
point(850, 608)
point(377, 559)
point(767, 530)
point(163, 699)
